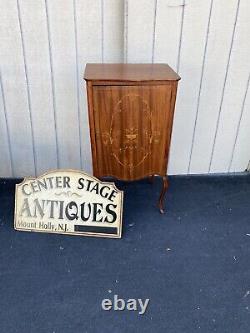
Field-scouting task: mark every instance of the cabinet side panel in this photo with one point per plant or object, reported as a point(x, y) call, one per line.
point(92, 128)
point(171, 119)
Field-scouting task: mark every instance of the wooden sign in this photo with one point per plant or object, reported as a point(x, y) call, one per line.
point(69, 202)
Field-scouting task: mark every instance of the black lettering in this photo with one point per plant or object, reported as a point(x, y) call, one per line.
point(52, 206)
point(25, 208)
point(89, 182)
point(71, 216)
point(61, 204)
point(81, 183)
point(24, 192)
point(50, 179)
point(111, 212)
point(66, 181)
point(112, 195)
point(34, 186)
point(42, 184)
point(59, 181)
point(97, 211)
point(95, 188)
point(104, 195)
point(39, 208)
point(85, 218)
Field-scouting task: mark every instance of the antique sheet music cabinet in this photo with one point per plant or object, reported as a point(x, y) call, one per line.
point(131, 109)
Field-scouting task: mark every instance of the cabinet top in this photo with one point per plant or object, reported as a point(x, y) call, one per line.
point(130, 72)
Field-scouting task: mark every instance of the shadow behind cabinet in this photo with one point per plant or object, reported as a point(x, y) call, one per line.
point(131, 109)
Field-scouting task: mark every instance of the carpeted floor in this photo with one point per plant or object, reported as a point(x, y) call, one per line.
point(193, 264)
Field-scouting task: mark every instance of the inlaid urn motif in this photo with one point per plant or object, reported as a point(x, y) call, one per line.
point(131, 144)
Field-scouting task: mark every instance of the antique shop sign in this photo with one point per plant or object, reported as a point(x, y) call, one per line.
point(69, 202)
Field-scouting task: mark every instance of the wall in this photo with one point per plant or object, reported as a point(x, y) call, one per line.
point(44, 47)
point(46, 43)
point(207, 42)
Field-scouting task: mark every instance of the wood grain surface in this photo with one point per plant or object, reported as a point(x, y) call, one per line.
point(130, 72)
point(130, 124)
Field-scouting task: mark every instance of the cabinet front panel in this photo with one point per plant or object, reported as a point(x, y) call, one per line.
point(132, 130)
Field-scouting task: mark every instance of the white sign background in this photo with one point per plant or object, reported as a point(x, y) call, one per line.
point(69, 202)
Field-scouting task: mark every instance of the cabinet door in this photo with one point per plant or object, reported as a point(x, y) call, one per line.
point(132, 130)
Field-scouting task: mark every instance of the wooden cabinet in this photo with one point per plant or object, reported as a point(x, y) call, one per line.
point(131, 108)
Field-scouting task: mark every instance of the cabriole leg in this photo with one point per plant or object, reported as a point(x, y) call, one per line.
point(163, 192)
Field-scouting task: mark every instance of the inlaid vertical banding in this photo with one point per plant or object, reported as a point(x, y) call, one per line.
point(181, 36)
point(27, 86)
point(239, 123)
point(52, 83)
point(154, 27)
point(224, 85)
point(200, 85)
point(102, 30)
point(77, 82)
point(125, 55)
point(7, 125)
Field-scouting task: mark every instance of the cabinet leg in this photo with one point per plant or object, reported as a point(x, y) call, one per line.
point(163, 192)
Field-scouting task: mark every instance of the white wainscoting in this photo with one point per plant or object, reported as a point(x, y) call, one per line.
point(45, 45)
point(208, 43)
